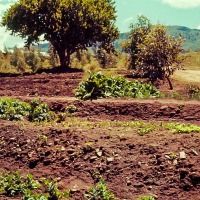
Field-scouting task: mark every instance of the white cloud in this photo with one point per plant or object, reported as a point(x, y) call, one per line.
point(183, 3)
point(6, 39)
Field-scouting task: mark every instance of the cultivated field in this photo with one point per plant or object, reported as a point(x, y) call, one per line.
point(139, 147)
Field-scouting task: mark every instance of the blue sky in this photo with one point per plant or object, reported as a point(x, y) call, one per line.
point(167, 12)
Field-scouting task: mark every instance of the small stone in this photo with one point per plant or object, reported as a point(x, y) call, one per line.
point(12, 139)
point(163, 107)
point(93, 158)
point(56, 141)
point(111, 159)
point(175, 162)
point(62, 148)
point(128, 183)
point(100, 153)
point(195, 152)
point(182, 155)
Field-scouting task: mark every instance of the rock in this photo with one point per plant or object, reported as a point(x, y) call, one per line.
point(93, 158)
point(175, 162)
point(62, 148)
point(195, 152)
point(182, 155)
point(128, 183)
point(56, 141)
point(189, 118)
point(163, 107)
point(99, 154)
point(109, 160)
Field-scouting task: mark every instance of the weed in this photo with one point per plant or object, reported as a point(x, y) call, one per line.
point(172, 156)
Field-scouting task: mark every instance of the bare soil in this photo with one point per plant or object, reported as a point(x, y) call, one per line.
point(85, 147)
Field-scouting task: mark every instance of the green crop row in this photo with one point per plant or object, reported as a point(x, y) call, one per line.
point(98, 85)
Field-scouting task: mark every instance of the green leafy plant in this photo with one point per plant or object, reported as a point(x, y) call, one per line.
point(194, 91)
point(100, 192)
point(98, 85)
point(182, 128)
point(39, 112)
point(13, 109)
point(71, 109)
point(52, 189)
point(14, 184)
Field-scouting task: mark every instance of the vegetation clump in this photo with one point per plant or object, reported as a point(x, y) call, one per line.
point(13, 109)
point(68, 25)
point(100, 192)
point(101, 86)
point(153, 53)
point(14, 184)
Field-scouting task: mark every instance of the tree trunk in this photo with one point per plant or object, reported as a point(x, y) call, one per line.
point(170, 83)
point(64, 59)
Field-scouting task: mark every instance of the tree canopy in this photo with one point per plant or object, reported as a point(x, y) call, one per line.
point(136, 35)
point(153, 52)
point(159, 54)
point(69, 25)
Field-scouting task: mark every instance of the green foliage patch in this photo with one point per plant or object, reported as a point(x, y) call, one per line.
point(182, 128)
point(100, 192)
point(14, 184)
point(13, 109)
point(101, 86)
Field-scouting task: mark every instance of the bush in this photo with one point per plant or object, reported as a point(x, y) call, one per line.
point(98, 85)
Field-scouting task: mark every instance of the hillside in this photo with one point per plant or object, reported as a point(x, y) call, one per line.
point(192, 37)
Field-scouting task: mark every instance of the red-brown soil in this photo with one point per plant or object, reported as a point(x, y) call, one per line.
point(132, 165)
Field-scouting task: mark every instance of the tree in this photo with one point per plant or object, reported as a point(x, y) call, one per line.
point(136, 36)
point(158, 54)
point(69, 25)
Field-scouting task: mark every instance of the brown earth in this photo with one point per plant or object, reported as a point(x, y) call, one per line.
point(93, 143)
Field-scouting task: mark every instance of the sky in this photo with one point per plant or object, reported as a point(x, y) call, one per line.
point(167, 12)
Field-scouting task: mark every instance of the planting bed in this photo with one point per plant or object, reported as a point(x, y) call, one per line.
point(100, 140)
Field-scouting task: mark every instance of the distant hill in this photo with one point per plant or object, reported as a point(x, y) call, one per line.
point(192, 37)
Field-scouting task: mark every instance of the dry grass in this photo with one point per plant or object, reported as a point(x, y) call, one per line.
point(187, 76)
